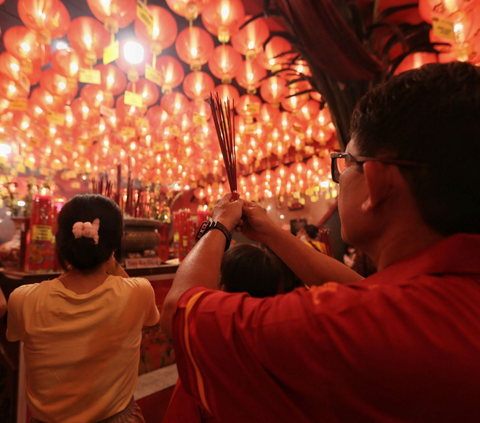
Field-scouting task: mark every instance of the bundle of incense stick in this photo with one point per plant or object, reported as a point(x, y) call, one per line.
point(103, 186)
point(222, 112)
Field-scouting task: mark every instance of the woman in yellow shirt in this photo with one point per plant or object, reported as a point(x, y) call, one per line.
point(82, 331)
point(308, 235)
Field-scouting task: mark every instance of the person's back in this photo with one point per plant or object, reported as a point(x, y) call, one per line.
point(82, 331)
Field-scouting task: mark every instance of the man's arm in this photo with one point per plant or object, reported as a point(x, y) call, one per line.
point(312, 267)
point(201, 267)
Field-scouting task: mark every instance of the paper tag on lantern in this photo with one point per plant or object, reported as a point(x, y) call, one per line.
point(296, 195)
point(175, 131)
point(145, 16)
point(132, 99)
point(297, 128)
point(250, 129)
point(115, 149)
point(253, 108)
point(44, 171)
point(86, 142)
point(157, 147)
point(56, 165)
point(128, 132)
point(76, 185)
point(199, 119)
point(28, 148)
point(67, 146)
point(27, 66)
point(197, 138)
point(34, 141)
point(110, 53)
point(142, 123)
point(13, 172)
point(21, 168)
point(90, 76)
point(153, 75)
point(20, 104)
point(443, 28)
point(56, 118)
point(70, 174)
point(106, 111)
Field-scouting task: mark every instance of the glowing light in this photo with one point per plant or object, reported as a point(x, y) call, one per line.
point(100, 97)
point(282, 216)
point(73, 67)
point(225, 12)
point(85, 109)
point(25, 125)
point(198, 88)
point(15, 67)
point(62, 85)
point(271, 62)
point(12, 88)
point(53, 131)
point(134, 52)
point(69, 118)
point(61, 45)
point(87, 39)
point(177, 106)
point(168, 77)
point(249, 76)
point(274, 87)
point(26, 47)
point(156, 31)
point(5, 149)
point(21, 203)
point(102, 128)
point(110, 79)
point(251, 45)
point(49, 99)
point(194, 52)
point(38, 110)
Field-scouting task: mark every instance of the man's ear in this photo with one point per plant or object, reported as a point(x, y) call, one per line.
point(378, 181)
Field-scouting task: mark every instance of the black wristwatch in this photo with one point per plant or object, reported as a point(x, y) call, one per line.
point(207, 225)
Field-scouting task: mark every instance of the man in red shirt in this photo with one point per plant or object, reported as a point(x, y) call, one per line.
point(400, 346)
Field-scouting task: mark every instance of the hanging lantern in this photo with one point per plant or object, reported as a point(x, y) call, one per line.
point(67, 63)
point(194, 46)
point(11, 90)
point(126, 112)
point(164, 30)
point(23, 44)
point(223, 17)
point(112, 80)
point(284, 121)
point(227, 92)
point(147, 89)
point(273, 90)
point(114, 14)
point(95, 97)
point(250, 39)
point(189, 9)
point(294, 101)
point(83, 113)
point(324, 117)
point(45, 102)
point(309, 111)
point(198, 85)
point(416, 60)
point(224, 63)
point(248, 106)
point(268, 114)
point(274, 56)
point(174, 103)
point(89, 38)
point(250, 75)
point(171, 73)
point(58, 85)
point(48, 18)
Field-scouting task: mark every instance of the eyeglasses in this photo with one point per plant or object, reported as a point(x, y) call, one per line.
point(339, 163)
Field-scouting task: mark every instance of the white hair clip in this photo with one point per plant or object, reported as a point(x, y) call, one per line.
point(87, 230)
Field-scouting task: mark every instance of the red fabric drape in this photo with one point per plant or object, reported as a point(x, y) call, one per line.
point(332, 45)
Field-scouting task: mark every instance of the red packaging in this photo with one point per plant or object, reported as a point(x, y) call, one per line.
point(40, 240)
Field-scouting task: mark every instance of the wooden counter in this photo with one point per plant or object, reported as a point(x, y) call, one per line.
point(157, 369)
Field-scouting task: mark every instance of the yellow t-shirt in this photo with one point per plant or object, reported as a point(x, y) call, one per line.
point(81, 350)
point(320, 246)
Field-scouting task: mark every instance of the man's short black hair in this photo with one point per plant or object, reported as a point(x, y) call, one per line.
point(430, 115)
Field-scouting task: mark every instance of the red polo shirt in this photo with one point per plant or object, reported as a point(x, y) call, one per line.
point(401, 346)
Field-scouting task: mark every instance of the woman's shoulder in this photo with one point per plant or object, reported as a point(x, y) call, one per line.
point(133, 282)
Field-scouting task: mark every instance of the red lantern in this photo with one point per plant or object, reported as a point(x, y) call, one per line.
point(23, 44)
point(249, 106)
point(273, 90)
point(46, 102)
point(227, 92)
point(11, 90)
point(224, 63)
point(132, 58)
point(269, 58)
point(95, 97)
point(83, 113)
point(112, 79)
point(315, 95)
point(58, 85)
point(223, 17)
point(89, 38)
point(268, 114)
point(416, 60)
point(284, 121)
point(309, 111)
point(198, 85)
point(67, 63)
point(48, 18)
point(189, 9)
point(157, 116)
point(194, 46)
point(294, 102)
point(171, 73)
point(174, 103)
point(114, 14)
point(250, 39)
point(164, 30)
point(125, 111)
point(10, 66)
point(147, 89)
point(324, 117)
point(250, 75)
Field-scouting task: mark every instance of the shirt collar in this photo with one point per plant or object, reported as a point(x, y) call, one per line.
point(457, 254)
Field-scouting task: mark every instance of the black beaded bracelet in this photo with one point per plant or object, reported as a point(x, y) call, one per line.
point(207, 225)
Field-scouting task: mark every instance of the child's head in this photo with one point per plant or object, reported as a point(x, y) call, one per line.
point(82, 252)
point(248, 268)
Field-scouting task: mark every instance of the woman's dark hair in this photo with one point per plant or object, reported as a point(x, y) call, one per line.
point(248, 268)
point(312, 231)
point(429, 115)
point(82, 253)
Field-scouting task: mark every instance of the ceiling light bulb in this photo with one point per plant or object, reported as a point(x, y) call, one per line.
point(61, 45)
